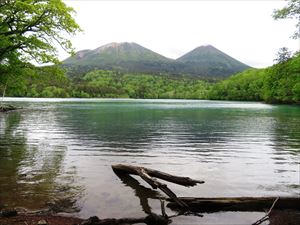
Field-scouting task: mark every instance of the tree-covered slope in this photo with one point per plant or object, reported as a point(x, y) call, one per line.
point(204, 61)
point(210, 61)
point(115, 53)
point(279, 83)
point(126, 57)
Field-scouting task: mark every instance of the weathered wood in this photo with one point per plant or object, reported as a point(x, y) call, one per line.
point(266, 217)
point(236, 204)
point(96, 221)
point(185, 181)
point(151, 219)
point(154, 183)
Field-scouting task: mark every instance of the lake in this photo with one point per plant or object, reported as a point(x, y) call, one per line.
point(61, 150)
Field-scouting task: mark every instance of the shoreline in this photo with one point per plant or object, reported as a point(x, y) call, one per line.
point(7, 107)
point(74, 99)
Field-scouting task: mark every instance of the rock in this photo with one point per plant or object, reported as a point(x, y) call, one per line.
point(42, 222)
point(8, 213)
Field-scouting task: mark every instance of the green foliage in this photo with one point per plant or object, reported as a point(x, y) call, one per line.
point(243, 86)
point(277, 84)
point(282, 82)
point(47, 81)
point(30, 29)
point(102, 83)
point(292, 10)
point(51, 82)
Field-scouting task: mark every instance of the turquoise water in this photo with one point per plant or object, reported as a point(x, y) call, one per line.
point(61, 151)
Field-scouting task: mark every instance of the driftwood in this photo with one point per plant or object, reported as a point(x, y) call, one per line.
point(236, 204)
point(151, 219)
point(148, 174)
point(96, 221)
point(192, 206)
point(267, 216)
point(134, 170)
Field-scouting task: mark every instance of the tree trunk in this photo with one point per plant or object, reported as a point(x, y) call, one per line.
point(134, 170)
point(3, 93)
point(148, 174)
point(236, 204)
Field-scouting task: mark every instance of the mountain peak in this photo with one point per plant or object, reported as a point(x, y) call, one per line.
point(206, 46)
point(205, 53)
point(115, 54)
point(116, 45)
point(204, 60)
point(212, 60)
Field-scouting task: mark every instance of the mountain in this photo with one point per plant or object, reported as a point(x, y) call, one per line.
point(123, 56)
point(130, 57)
point(210, 61)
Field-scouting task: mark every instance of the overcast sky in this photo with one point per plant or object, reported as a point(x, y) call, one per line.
point(243, 29)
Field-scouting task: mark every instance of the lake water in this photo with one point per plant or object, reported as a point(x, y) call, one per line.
point(61, 150)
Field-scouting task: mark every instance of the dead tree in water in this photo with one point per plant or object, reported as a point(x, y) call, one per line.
point(149, 176)
point(236, 204)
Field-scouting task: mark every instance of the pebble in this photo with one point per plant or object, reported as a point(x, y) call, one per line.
point(42, 222)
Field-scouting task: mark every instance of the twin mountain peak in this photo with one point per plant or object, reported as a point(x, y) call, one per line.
point(206, 61)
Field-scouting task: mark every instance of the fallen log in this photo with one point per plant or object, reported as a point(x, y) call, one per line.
point(156, 184)
point(151, 219)
point(267, 216)
point(144, 173)
point(134, 170)
point(236, 204)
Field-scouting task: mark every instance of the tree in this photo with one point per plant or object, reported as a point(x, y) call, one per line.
point(292, 10)
point(31, 30)
point(283, 55)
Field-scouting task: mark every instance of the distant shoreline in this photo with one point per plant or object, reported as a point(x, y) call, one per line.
point(91, 99)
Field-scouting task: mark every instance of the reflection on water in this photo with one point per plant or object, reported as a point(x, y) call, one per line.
point(32, 176)
point(140, 191)
point(58, 149)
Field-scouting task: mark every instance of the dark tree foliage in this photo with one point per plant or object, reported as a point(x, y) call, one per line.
point(283, 55)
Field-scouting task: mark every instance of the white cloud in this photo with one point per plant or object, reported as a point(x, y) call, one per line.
point(243, 29)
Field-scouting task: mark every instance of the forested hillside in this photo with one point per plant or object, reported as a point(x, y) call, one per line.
point(276, 84)
point(51, 82)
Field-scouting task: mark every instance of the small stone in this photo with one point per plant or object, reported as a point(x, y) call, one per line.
point(42, 222)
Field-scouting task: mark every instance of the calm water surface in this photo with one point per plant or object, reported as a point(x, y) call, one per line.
point(61, 150)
